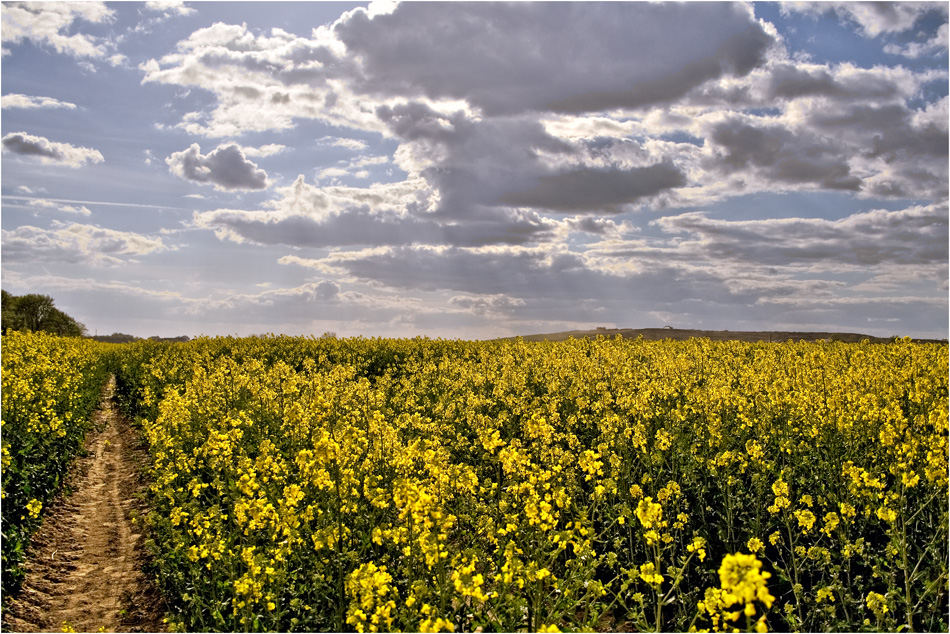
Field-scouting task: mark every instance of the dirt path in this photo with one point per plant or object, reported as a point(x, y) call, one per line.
point(84, 568)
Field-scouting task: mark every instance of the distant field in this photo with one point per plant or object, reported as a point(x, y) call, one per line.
point(682, 334)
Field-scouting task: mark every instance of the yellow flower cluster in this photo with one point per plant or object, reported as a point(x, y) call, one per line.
point(323, 484)
point(742, 583)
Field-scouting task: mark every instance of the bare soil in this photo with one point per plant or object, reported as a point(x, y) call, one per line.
point(85, 564)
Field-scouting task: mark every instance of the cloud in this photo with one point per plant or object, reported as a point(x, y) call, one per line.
point(508, 59)
point(49, 204)
point(779, 154)
point(25, 101)
point(46, 23)
point(871, 18)
point(491, 122)
point(169, 7)
point(528, 273)
point(912, 236)
point(269, 149)
point(485, 305)
point(501, 59)
point(695, 267)
point(226, 167)
point(76, 243)
point(592, 189)
point(305, 215)
point(344, 142)
point(933, 46)
point(47, 151)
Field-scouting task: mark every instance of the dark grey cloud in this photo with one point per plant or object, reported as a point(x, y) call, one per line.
point(591, 189)
point(778, 153)
point(888, 130)
point(478, 164)
point(790, 81)
point(561, 57)
point(226, 167)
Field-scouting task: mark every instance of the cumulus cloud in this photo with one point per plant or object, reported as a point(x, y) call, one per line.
point(226, 167)
point(76, 243)
point(488, 121)
point(47, 151)
point(777, 153)
point(502, 59)
point(15, 100)
point(306, 215)
point(581, 58)
point(47, 23)
point(933, 46)
point(169, 7)
point(593, 189)
point(871, 18)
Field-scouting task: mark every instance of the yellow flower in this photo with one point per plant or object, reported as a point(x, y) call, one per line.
point(34, 506)
point(650, 574)
point(649, 513)
point(806, 519)
point(740, 575)
point(877, 603)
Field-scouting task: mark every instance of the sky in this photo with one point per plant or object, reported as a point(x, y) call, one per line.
point(477, 170)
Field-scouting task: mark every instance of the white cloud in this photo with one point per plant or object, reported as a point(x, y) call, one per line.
point(47, 151)
point(871, 18)
point(269, 149)
point(47, 23)
point(344, 142)
point(76, 243)
point(49, 204)
point(25, 101)
point(169, 7)
point(226, 167)
point(933, 46)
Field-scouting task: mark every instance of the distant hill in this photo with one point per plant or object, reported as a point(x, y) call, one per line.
point(118, 337)
point(679, 334)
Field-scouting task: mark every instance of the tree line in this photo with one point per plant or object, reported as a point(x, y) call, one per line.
point(34, 312)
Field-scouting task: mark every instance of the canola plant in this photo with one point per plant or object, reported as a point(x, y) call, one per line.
point(382, 485)
point(371, 485)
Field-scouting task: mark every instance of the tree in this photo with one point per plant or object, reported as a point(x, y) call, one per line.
point(36, 312)
point(11, 319)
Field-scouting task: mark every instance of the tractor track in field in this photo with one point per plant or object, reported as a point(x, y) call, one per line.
point(84, 568)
